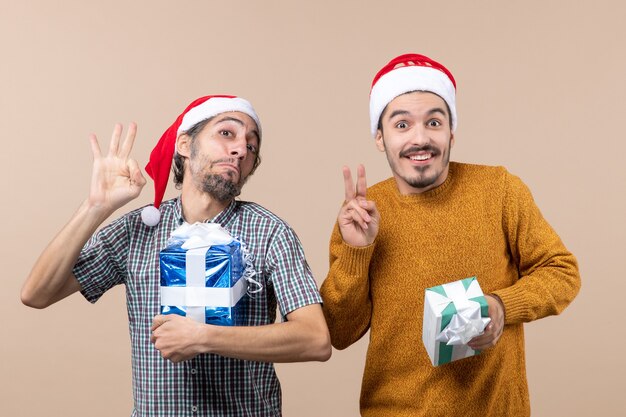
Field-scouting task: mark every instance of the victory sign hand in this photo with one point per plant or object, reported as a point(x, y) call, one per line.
point(116, 178)
point(358, 218)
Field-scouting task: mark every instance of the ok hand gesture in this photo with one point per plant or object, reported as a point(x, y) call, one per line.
point(116, 178)
point(358, 218)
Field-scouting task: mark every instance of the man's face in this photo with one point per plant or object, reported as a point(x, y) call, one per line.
point(222, 155)
point(416, 136)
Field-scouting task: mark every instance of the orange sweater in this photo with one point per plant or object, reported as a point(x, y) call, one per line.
point(483, 222)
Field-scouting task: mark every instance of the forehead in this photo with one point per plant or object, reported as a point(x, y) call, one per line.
point(417, 101)
point(237, 117)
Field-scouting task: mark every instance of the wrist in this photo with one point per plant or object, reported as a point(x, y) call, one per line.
point(203, 337)
point(97, 212)
point(499, 300)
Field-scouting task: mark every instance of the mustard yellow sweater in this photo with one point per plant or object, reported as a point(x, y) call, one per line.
point(483, 222)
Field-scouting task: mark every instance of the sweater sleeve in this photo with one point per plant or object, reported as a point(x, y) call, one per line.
point(345, 292)
point(548, 273)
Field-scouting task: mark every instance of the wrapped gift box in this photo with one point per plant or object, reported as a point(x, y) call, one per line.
point(454, 313)
point(202, 271)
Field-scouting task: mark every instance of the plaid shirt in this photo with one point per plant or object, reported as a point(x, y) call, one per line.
point(127, 252)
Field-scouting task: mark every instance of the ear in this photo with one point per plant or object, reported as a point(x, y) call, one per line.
point(451, 140)
point(183, 145)
point(380, 143)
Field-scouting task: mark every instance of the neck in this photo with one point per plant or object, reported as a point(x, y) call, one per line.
point(198, 206)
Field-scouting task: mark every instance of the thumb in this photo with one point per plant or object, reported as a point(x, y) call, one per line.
point(135, 173)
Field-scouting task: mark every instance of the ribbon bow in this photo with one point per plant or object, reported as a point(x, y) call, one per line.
point(200, 235)
point(463, 328)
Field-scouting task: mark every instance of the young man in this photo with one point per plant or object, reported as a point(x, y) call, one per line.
point(182, 367)
point(435, 222)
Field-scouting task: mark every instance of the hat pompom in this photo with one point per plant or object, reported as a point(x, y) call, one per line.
point(150, 215)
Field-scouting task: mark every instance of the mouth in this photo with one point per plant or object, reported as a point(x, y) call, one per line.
point(229, 166)
point(420, 157)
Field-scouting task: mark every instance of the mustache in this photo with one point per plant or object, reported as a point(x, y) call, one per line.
point(233, 161)
point(425, 148)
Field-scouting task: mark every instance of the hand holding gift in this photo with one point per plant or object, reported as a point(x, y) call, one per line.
point(493, 331)
point(177, 338)
point(456, 315)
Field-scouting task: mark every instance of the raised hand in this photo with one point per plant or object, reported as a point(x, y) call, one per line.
point(116, 178)
point(358, 218)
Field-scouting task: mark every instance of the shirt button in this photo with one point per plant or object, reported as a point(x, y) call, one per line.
point(194, 409)
point(193, 371)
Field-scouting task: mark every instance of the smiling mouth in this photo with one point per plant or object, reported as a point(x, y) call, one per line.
point(421, 157)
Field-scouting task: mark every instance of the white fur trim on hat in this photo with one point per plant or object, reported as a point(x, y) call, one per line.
point(215, 106)
point(410, 78)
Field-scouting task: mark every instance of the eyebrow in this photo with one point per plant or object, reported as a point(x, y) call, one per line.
point(429, 113)
point(234, 119)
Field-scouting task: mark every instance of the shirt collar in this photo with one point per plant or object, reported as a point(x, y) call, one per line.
point(223, 218)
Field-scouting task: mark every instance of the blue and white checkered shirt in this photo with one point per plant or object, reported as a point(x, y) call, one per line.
point(127, 252)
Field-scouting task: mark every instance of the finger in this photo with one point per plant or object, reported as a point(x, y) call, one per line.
point(95, 146)
point(369, 206)
point(361, 183)
point(482, 344)
point(349, 185)
point(115, 139)
point(356, 215)
point(158, 321)
point(355, 206)
point(127, 146)
point(136, 177)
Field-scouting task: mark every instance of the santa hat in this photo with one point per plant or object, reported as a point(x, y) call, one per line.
point(160, 162)
point(419, 73)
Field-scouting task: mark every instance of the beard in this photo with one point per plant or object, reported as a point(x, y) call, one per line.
point(426, 176)
point(423, 179)
point(220, 188)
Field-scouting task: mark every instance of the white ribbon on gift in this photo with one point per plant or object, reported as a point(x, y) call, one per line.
point(467, 323)
point(199, 237)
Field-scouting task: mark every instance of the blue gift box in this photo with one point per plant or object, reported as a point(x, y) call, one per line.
point(203, 283)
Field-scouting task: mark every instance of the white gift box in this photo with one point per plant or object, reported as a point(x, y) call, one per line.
point(454, 313)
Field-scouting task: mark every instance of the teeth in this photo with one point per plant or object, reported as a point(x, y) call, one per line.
point(420, 157)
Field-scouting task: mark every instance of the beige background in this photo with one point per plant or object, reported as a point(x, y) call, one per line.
point(541, 91)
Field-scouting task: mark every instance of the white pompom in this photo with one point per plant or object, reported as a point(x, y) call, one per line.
point(150, 215)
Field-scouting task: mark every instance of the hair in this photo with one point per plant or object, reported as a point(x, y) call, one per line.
point(380, 119)
point(178, 167)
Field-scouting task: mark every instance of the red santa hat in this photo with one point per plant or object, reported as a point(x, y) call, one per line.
point(160, 163)
point(406, 73)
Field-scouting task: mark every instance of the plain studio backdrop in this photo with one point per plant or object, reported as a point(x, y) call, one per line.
point(541, 91)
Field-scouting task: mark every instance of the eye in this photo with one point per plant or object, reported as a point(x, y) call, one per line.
point(226, 133)
point(434, 123)
point(251, 148)
point(402, 125)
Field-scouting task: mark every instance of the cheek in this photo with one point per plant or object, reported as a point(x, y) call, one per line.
point(247, 165)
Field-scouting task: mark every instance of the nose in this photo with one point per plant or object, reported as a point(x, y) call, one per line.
point(239, 148)
point(420, 136)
